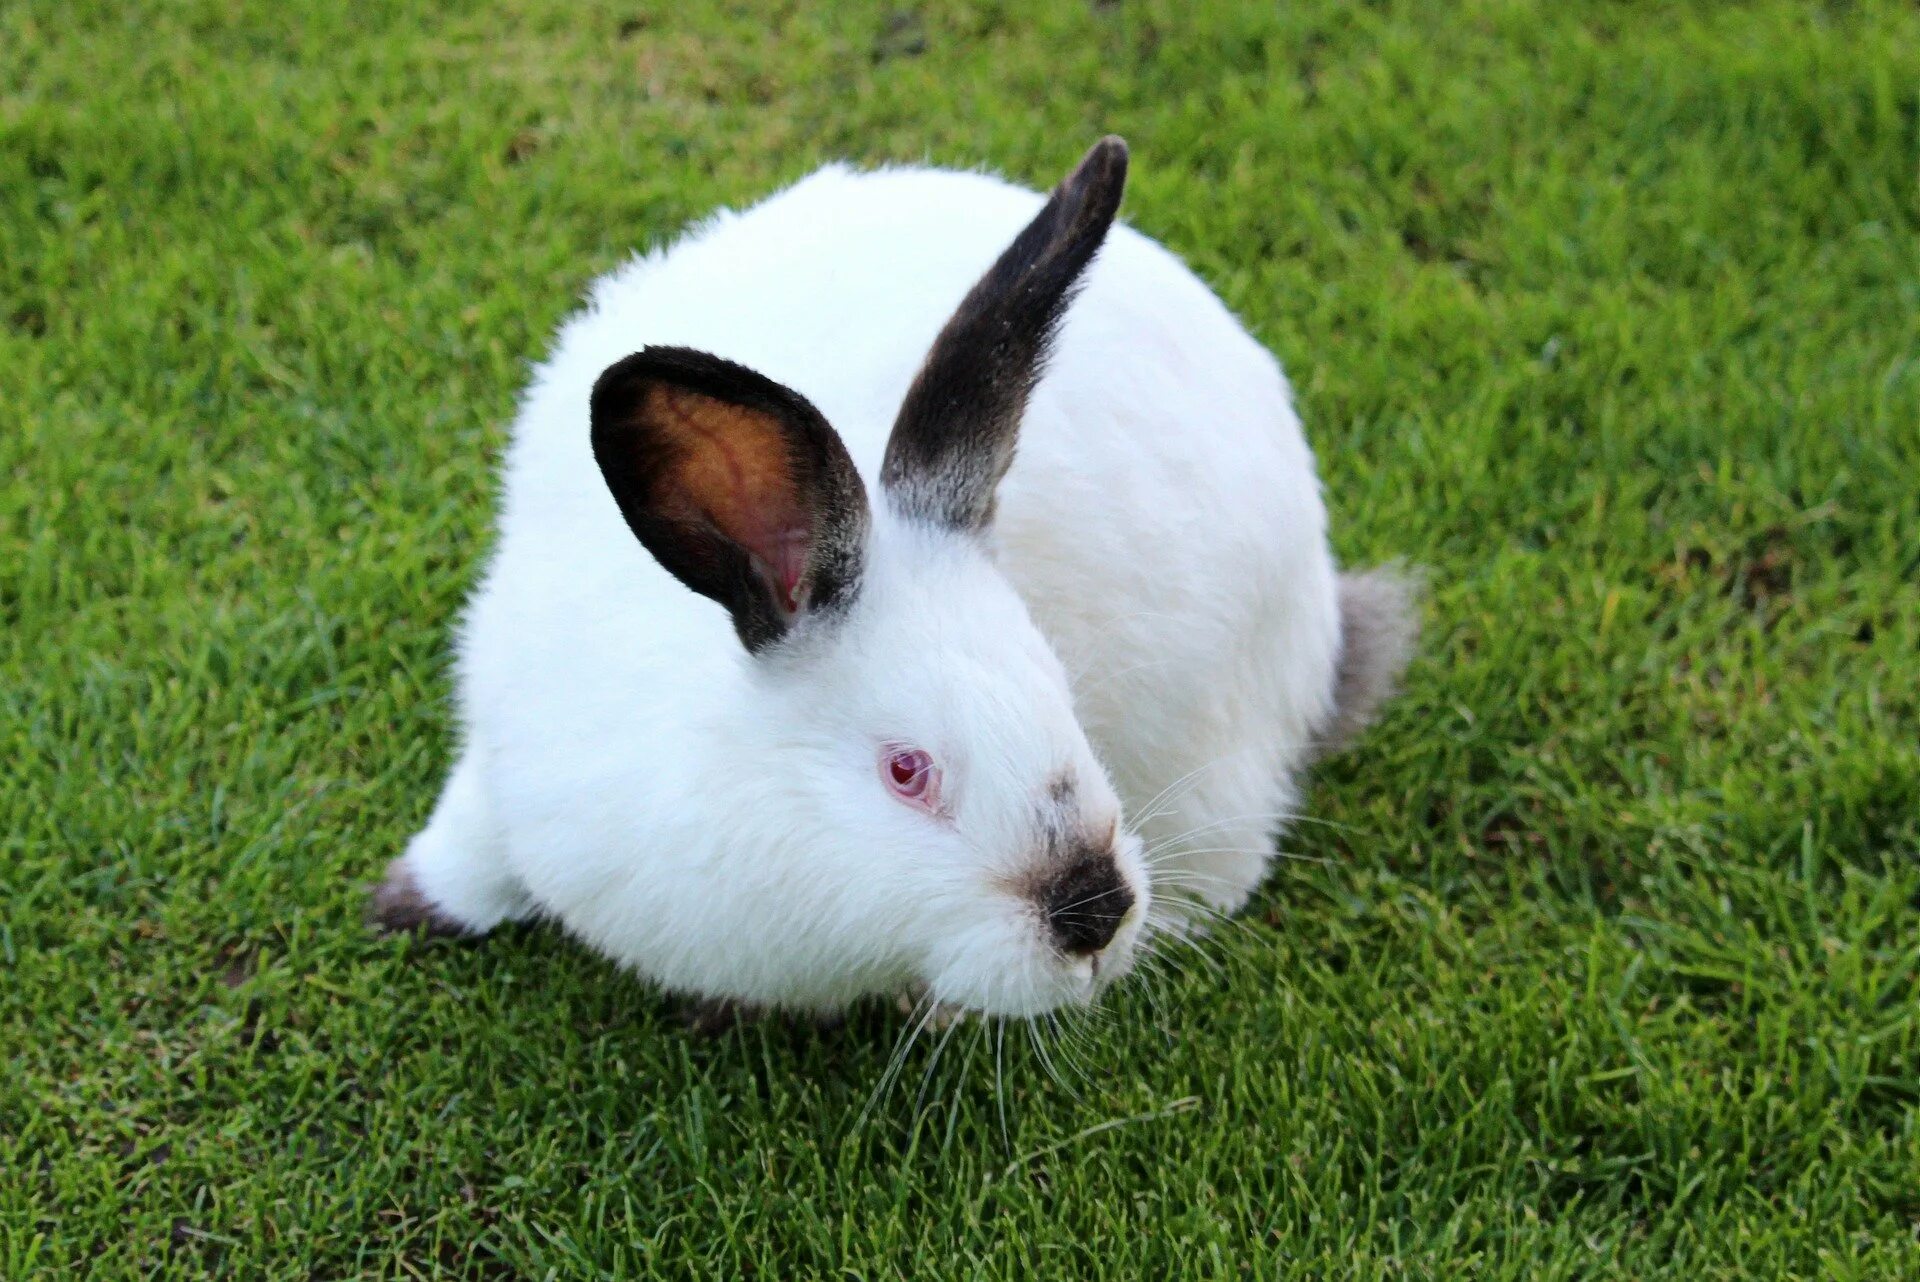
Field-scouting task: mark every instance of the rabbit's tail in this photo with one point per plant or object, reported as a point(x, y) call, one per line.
point(1379, 623)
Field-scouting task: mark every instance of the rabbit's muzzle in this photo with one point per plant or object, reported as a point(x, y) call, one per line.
point(1085, 904)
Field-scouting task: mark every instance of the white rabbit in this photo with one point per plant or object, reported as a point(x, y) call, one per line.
point(790, 713)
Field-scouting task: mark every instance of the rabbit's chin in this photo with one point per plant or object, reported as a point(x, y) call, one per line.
point(978, 977)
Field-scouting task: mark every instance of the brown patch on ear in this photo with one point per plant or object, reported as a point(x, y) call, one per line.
point(735, 484)
point(733, 470)
point(398, 907)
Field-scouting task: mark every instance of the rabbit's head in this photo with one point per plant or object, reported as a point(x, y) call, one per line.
point(915, 733)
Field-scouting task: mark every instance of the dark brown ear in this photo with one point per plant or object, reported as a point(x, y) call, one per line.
point(735, 484)
point(957, 428)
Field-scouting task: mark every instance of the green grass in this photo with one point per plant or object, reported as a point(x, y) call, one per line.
point(1603, 957)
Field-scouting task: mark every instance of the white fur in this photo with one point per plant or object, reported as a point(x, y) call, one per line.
point(1158, 617)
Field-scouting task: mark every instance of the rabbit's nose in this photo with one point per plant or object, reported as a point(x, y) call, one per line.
point(1085, 905)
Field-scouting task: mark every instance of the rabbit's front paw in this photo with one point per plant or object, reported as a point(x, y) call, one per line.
point(398, 907)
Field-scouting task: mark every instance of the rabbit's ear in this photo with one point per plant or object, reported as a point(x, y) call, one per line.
point(957, 428)
point(736, 484)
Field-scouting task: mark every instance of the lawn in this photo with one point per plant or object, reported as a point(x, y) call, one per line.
point(1600, 957)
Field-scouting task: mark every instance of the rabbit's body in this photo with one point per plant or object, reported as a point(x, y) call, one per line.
point(1161, 523)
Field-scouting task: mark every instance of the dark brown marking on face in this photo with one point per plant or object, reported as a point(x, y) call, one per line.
point(1074, 881)
point(1085, 903)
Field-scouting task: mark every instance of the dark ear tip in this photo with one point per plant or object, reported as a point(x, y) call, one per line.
point(1097, 181)
point(1105, 161)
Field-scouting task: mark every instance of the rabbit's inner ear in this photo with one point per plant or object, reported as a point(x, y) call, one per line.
point(735, 484)
point(955, 435)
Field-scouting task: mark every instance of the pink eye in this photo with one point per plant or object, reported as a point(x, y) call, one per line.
point(912, 776)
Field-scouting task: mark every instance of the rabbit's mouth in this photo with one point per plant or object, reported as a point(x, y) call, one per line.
point(1059, 936)
point(1029, 991)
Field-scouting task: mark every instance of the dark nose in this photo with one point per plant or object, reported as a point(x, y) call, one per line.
point(1086, 904)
